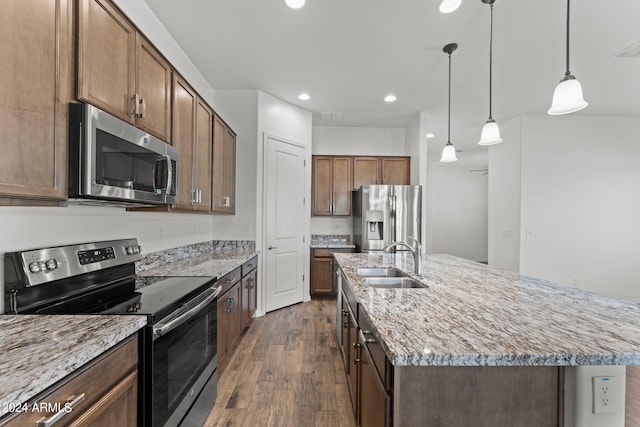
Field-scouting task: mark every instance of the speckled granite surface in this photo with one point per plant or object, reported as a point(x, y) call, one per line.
point(475, 315)
point(162, 258)
point(215, 263)
point(36, 351)
point(331, 241)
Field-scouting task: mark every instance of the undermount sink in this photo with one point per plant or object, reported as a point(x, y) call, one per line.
point(381, 272)
point(393, 282)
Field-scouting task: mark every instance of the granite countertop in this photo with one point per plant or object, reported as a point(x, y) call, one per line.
point(214, 264)
point(331, 241)
point(472, 314)
point(36, 351)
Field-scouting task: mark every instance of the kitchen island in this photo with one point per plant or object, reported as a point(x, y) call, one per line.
point(476, 335)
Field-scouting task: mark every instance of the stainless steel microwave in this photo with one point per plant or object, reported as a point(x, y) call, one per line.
point(113, 162)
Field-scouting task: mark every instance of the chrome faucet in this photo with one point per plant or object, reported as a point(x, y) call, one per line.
point(416, 251)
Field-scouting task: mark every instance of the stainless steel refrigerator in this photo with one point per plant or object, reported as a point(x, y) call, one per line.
point(385, 213)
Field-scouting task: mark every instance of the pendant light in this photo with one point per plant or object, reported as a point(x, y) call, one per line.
point(490, 134)
point(449, 151)
point(567, 98)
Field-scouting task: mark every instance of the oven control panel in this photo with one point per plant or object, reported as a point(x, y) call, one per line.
point(41, 266)
point(96, 255)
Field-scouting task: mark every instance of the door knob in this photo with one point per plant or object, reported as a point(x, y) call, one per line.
point(272, 247)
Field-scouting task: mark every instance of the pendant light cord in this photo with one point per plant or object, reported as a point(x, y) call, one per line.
point(449, 114)
point(568, 9)
point(491, 64)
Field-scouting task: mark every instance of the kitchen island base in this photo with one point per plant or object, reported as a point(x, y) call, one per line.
point(478, 396)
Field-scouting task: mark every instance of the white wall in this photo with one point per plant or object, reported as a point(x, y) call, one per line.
point(354, 141)
point(581, 202)
point(459, 206)
point(504, 198)
point(416, 147)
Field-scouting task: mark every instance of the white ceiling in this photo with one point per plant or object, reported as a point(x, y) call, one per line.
point(349, 54)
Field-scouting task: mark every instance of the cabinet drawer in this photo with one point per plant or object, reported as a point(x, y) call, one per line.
point(229, 279)
point(328, 252)
point(93, 381)
point(249, 265)
point(375, 349)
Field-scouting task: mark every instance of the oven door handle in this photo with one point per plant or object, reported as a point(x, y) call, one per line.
point(161, 328)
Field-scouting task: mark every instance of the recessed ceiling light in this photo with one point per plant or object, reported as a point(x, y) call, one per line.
point(390, 98)
point(430, 135)
point(294, 4)
point(304, 96)
point(448, 6)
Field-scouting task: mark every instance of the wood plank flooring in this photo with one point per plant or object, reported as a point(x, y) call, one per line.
point(287, 371)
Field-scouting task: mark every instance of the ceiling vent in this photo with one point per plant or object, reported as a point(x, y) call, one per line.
point(632, 51)
point(329, 116)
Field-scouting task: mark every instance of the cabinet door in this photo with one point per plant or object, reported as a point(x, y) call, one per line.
point(365, 171)
point(372, 396)
point(184, 104)
point(202, 156)
point(321, 275)
point(153, 86)
point(224, 168)
point(119, 407)
point(354, 359)
point(106, 58)
point(233, 315)
point(396, 170)
point(35, 38)
point(245, 315)
point(322, 185)
point(253, 293)
point(342, 186)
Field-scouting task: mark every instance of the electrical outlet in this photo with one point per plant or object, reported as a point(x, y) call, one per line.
point(605, 399)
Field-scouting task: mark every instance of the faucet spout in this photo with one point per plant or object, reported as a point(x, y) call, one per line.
point(416, 251)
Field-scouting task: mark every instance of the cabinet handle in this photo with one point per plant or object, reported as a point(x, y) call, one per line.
point(370, 341)
point(272, 247)
point(194, 196)
point(367, 333)
point(136, 105)
point(226, 201)
point(143, 111)
point(71, 403)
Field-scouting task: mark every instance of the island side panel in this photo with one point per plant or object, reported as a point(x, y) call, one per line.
point(476, 396)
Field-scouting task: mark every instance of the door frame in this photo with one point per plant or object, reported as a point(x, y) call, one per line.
point(262, 234)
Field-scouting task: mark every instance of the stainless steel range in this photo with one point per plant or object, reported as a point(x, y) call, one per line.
point(178, 359)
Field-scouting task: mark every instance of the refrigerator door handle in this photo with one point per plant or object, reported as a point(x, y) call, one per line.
point(392, 217)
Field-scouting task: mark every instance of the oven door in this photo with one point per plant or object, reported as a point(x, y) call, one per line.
point(184, 360)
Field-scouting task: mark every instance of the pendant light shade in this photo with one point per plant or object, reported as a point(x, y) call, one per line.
point(490, 134)
point(449, 151)
point(567, 98)
point(448, 6)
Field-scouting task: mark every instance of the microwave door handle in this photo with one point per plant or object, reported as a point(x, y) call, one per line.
point(169, 173)
point(161, 328)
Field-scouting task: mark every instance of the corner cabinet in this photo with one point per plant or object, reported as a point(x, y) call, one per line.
point(223, 186)
point(331, 186)
point(104, 393)
point(120, 72)
point(36, 77)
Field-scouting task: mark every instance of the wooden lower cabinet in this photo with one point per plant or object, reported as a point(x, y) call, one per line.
point(249, 291)
point(323, 271)
point(373, 399)
point(229, 328)
point(103, 393)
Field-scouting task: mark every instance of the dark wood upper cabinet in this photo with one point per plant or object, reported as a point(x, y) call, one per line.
point(223, 186)
point(184, 105)
point(202, 155)
point(381, 171)
point(120, 71)
point(366, 171)
point(332, 185)
point(35, 70)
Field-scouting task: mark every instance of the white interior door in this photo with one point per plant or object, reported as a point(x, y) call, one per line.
point(284, 223)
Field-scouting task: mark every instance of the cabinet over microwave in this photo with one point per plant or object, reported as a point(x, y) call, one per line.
point(113, 162)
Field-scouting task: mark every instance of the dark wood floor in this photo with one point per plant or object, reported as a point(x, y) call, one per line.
point(287, 371)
